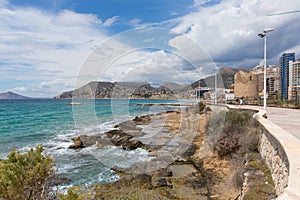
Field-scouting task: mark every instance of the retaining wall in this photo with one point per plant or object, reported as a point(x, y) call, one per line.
point(281, 152)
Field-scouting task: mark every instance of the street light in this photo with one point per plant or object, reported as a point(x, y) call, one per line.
point(199, 86)
point(264, 35)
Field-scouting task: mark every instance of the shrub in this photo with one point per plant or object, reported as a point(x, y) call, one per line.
point(201, 107)
point(25, 176)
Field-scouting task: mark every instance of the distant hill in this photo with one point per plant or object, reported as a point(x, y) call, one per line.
point(99, 90)
point(227, 75)
point(11, 95)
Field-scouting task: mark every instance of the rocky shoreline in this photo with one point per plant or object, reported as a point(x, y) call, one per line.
point(178, 170)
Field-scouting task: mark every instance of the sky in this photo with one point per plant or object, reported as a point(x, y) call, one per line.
point(51, 46)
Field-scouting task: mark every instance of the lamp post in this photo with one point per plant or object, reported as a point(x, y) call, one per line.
point(199, 86)
point(264, 35)
point(216, 86)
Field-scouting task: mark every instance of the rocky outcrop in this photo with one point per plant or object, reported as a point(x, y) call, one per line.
point(121, 136)
point(77, 143)
point(97, 90)
point(232, 165)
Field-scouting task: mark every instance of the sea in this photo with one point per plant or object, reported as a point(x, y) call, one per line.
point(53, 123)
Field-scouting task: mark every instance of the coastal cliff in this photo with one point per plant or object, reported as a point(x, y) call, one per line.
point(200, 161)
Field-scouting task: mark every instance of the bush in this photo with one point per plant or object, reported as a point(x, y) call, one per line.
point(201, 107)
point(26, 176)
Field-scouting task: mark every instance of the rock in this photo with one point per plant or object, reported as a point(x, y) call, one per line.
point(145, 178)
point(121, 140)
point(227, 145)
point(162, 182)
point(166, 173)
point(116, 133)
point(77, 143)
point(130, 127)
point(60, 181)
point(89, 140)
point(142, 120)
point(132, 144)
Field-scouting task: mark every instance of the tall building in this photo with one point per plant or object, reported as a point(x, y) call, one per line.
point(295, 87)
point(285, 69)
point(273, 79)
point(296, 74)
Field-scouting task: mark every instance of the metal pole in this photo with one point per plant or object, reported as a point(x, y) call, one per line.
point(216, 85)
point(199, 86)
point(265, 73)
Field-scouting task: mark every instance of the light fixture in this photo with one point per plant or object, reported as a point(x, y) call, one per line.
point(264, 35)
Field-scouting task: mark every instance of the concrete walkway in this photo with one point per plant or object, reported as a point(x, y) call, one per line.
point(287, 119)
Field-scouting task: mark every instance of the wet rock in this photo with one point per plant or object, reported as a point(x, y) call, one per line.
point(132, 144)
point(130, 127)
point(100, 139)
point(60, 181)
point(116, 133)
point(77, 143)
point(121, 140)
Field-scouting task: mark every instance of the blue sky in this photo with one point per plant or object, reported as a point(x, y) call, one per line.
point(51, 46)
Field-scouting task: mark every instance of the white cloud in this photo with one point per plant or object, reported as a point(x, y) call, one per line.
point(228, 30)
point(201, 2)
point(53, 48)
point(110, 21)
point(37, 45)
point(18, 89)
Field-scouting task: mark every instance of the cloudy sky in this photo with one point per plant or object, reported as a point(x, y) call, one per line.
point(50, 46)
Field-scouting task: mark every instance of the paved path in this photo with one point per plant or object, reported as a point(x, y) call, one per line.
point(287, 119)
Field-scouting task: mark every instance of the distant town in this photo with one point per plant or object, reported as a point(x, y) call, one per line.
point(282, 83)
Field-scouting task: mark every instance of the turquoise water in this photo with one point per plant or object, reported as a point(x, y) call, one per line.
point(52, 123)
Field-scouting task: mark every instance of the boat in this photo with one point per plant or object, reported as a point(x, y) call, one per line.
point(73, 103)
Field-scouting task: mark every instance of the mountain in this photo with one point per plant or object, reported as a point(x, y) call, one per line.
point(227, 75)
point(167, 90)
point(11, 95)
point(99, 90)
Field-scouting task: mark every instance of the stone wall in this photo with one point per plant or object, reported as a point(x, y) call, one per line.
point(245, 85)
point(275, 157)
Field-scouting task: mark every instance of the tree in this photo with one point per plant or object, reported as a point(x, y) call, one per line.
point(26, 176)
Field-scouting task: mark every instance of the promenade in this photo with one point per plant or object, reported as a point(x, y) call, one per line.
point(287, 119)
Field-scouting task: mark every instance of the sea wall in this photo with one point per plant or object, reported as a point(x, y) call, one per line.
point(281, 152)
point(275, 157)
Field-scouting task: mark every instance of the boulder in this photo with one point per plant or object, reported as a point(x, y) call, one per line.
point(142, 120)
point(77, 143)
point(162, 182)
point(132, 144)
point(121, 140)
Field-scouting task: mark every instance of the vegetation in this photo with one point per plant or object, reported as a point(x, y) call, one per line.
point(239, 143)
point(201, 107)
point(26, 176)
point(261, 185)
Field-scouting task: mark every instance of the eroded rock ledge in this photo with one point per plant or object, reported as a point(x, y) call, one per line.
point(203, 165)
